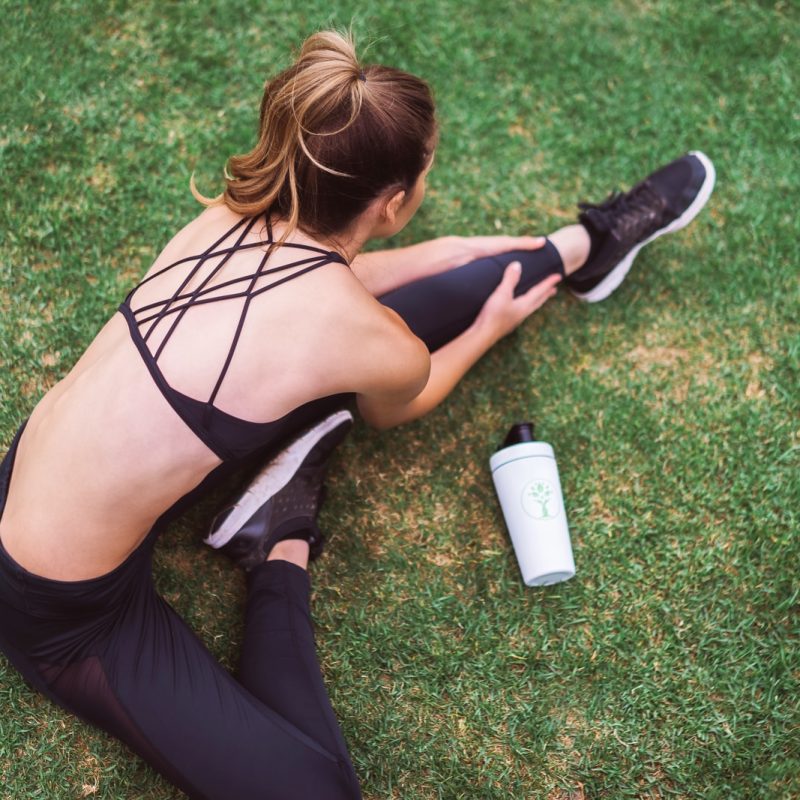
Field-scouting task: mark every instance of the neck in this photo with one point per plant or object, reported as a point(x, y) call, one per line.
point(348, 244)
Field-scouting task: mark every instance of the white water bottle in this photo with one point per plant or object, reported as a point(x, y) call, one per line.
point(525, 476)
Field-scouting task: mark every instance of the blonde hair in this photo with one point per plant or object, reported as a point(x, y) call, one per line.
point(333, 135)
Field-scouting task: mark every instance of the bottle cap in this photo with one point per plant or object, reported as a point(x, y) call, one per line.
point(519, 433)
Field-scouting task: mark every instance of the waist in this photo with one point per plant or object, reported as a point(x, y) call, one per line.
point(22, 588)
point(16, 572)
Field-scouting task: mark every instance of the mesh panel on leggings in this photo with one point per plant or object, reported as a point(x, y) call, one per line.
point(83, 688)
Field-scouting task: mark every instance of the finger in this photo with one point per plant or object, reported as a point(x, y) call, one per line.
point(528, 242)
point(511, 277)
point(545, 283)
point(538, 300)
point(542, 291)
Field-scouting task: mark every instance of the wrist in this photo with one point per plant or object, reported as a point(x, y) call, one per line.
point(484, 330)
point(452, 249)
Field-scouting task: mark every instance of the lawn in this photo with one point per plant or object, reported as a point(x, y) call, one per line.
point(669, 666)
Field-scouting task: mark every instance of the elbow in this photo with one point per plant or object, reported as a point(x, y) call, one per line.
point(405, 401)
point(378, 419)
point(382, 416)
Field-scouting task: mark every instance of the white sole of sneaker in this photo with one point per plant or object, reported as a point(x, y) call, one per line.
point(275, 475)
point(618, 273)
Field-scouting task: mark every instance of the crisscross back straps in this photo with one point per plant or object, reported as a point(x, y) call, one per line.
point(242, 287)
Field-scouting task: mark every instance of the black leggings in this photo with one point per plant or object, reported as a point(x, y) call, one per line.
point(112, 651)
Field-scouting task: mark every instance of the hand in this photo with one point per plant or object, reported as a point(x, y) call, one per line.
point(502, 312)
point(464, 249)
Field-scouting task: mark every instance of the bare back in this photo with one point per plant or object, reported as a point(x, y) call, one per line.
point(104, 454)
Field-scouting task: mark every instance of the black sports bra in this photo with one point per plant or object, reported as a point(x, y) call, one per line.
point(226, 435)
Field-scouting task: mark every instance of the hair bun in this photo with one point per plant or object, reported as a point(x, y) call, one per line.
point(330, 49)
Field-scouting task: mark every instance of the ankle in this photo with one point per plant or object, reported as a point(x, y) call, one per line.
point(295, 551)
point(573, 244)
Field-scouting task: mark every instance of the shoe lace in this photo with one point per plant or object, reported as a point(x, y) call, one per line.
point(629, 215)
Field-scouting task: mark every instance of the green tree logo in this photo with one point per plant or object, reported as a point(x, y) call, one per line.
point(540, 499)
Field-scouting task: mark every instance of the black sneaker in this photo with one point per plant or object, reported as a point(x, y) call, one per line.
point(283, 500)
point(665, 201)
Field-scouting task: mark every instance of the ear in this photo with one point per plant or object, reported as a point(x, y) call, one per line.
point(393, 206)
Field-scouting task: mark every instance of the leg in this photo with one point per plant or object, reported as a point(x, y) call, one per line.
point(227, 739)
point(439, 308)
point(150, 682)
point(279, 663)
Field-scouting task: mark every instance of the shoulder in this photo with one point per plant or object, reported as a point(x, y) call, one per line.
point(195, 236)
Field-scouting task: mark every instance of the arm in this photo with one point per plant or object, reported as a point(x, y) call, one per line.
point(384, 270)
point(501, 313)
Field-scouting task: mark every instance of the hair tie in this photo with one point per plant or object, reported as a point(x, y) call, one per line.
point(362, 76)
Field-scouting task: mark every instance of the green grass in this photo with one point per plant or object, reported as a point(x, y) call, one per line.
point(669, 667)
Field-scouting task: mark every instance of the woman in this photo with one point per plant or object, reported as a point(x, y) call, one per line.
point(240, 343)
